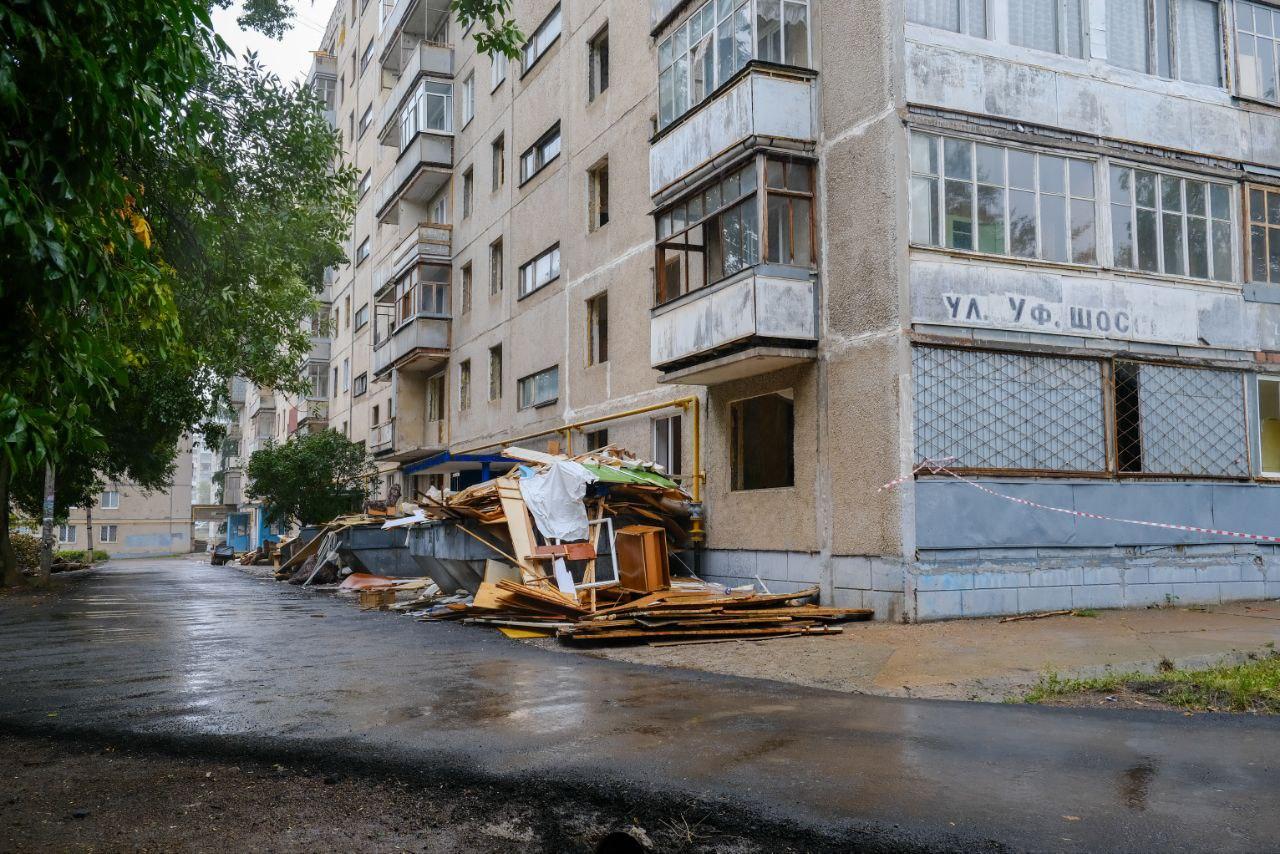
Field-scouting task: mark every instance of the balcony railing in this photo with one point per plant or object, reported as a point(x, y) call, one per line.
point(425, 242)
point(382, 437)
point(409, 21)
point(260, 401)
point(751, 324)
point(418, 344)
point(760, 105)
point(420, 171)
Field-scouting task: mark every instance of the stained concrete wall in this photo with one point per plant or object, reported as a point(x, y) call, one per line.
point(147, 523)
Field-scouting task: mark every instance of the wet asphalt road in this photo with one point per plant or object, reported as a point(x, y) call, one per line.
point(182, 653)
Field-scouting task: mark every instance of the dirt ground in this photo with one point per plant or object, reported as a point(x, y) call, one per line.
point(96, 797)
point(985, 659)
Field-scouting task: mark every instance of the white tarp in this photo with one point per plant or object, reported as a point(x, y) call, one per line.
point(554, 497)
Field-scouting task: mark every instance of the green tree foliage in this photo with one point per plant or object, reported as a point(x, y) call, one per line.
point(311, 478)
point(497, 31)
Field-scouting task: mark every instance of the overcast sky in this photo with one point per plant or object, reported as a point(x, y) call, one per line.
point(291, 56)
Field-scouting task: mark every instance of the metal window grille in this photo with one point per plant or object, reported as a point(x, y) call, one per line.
point(1009, 411)
point(1186, 422)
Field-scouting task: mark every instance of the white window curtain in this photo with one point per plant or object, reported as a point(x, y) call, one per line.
point(1034, 23)
point(1199, 46)
point(1127, 34)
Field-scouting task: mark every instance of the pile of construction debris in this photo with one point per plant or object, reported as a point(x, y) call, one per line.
point(582, 548)
point(595, 548)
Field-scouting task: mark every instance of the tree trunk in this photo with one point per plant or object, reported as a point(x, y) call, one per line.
point(12, 576)
point(88, 524)
point(46, 533)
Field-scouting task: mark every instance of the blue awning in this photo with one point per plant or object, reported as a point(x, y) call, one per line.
point(457, 462)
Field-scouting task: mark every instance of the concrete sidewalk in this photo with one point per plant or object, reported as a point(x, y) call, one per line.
point(983, 659)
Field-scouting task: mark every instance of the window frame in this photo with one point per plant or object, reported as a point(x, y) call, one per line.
point(964, 21)
point(360, 384)
point(540, 42)
point(466, 282)
point(738, 454)
point(670, 446)
point(598, 329)
point(598, 195)
point(497, 274)
point(598, 64)
point(109, 534)
point(1269, 228)
point(468, 192)
point(1061, 18)
point(468, 105)
point(104, 504)
point(495, 372)
point(498, 162)
point(362, 317)
point(363, 251)
point(530, 381)
point(498, 62)
point(551, 252)
point(538, 151)
point(464, 385)
point(1153, 42)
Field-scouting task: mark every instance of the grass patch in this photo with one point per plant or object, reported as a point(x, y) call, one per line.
point(1252, 687)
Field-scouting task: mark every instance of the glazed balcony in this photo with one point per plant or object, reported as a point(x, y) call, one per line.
point(426, 59)
point(427, 242)
point(406, 24)
point(400, 439)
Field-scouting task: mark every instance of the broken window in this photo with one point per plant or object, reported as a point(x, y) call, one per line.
point(1179, 421)
point(985, 410)
point(760, 445)
point(495, 372)
point(435, 397)
point(598, 195)
point(598, 329)
point(464, 384)
point(597, 439)
point(498, 161)
point(1163, 223)
point(598, 59)
point(468, 192)
point(466, 287)
point(995, 199)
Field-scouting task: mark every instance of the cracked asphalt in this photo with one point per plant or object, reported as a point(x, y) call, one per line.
point(215, 661)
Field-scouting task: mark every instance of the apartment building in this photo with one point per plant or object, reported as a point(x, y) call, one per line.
point(1027, 241)
point(128, 521)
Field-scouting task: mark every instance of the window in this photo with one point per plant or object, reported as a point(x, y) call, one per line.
point(1258, 49)
point(539, 389)
point(1056, 26)
point(325, 89)
point(66, 533)
point(958, 16)
point(598, 69)
point(424, 290)
point(540, 271)
point(789, 213)
point(598, 329)
point(468, 99)
point(430, 109)
point(541, 40)
point(709, 235)
point(366, 181)
point(366, 54)
point(468, 191)
point(108, 533)
point(375, 416)
point(495, 372)
point(1004, 201)
point(110, 500)
point(498, 161)
point(439, 209)
point(385, 8)
point(366, 119)
point(362, 316)
point(598, 195)
point(464, 385)
point(318, 377)
point(466, 287)
point(715, 42)
point(362, 252)
point(761, 435)
point(335, 380)
point(1269, 425)
point(667, 443)
point(1179, 421)
point(1264, 235)
point(1185, 45)
point(435, 398)
point(597, 439)
point(495, 267)
point(497, 69)
point(542, 152)
point(346, 374)
point(347, 300)
point(1162, 223)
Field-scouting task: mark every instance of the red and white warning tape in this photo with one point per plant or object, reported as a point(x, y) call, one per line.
point(939, 467)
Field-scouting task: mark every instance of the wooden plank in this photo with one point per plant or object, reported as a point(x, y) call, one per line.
point(519, 524)
point(631, 634)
